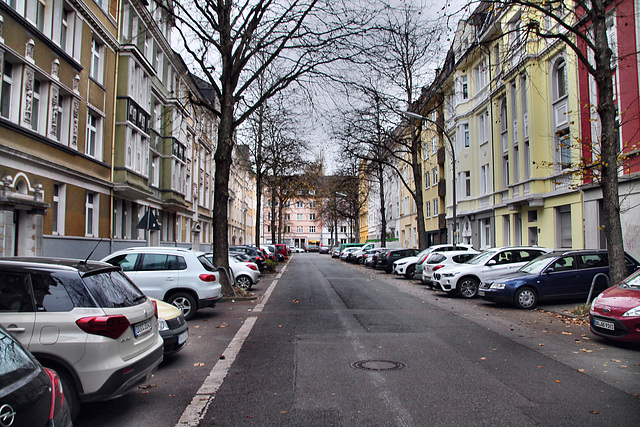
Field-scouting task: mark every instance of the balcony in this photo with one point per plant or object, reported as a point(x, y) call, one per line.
point(442, 188)
point(441, 156)
point(442, 221)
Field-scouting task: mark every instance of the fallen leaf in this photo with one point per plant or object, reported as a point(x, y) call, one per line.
point(224, 325)
point(616, 360)
point(295, 301)
point(196, 327)
point(143, 387)
point(198, 364)
point(567, 333)
point(623, 366)
point(538, 367)
point(279, 326)
point(582, 370)
point(558, 381)
point(586, 350)
point(592, 412)
point(541, 345)
point(483, 358)
point(283, 412)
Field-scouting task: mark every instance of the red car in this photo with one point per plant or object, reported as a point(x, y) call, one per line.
point(282, 249)
point(615, 313)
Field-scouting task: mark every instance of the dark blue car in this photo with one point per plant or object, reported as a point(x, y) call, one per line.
point(556, 275)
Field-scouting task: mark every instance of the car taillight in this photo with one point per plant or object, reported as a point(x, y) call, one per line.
point(208, 277)
point(437, 267)
point(253, 267)
point(57, 395)
point(107, 326)
point(259, 258)
point(155, 308)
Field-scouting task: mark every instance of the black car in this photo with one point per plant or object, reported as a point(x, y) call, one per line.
point(256, 255)
point(386, 259)
point(370, 257)
point(30, 395)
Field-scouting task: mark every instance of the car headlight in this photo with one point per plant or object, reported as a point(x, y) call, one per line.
point(498, 286)
point(634, 312)
point(449, 274)
point(162, 324)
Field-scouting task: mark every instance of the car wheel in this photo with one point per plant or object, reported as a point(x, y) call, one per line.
point(410, 273)
point(468, 287)
point(244, 282)
point(186, 303)
point(526, 298)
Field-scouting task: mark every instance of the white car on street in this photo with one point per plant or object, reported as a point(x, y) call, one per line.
point(437, 260)
point(245, 274)
point(182, 277)
point(407, 266)
point(464, 279)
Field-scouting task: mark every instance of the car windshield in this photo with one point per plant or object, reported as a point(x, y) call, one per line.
point(537, 265)
point(482, 258)
point(632, 281)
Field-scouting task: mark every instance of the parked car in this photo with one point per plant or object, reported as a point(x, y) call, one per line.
point(386, 259)
point(370, 257)
point(335, 252)
point(282, 249)
point(615, 313)
point(558, 275)
point(407, 266)
point(437, 260)
point(296, 250)
point(245, 274)
point(344, 256)
point(91, 324)
point(464, 279)
point(313, 248)
point(182, 277)
point(240, 256)
point(30, 395)
point(274, 254)
point(440, 248)
point(256, 255)
point(172, 327)
point(324, 249)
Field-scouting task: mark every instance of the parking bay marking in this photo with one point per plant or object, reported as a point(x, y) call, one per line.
point(197, 409)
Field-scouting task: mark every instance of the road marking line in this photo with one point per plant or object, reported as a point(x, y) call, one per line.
point(197, 409)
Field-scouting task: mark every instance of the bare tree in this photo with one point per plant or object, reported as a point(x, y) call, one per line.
point(231, 44)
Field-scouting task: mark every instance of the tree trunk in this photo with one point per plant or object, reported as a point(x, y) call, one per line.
point(383, 211)
point(609, 147)
point(417, 179)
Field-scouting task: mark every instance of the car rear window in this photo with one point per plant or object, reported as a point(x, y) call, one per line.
point(462, 258)
point(16, 364)
point(113, 289)
point(593, 260)
point(206, 263)
point(51, 294)
point(435, 258)
point(15, 292)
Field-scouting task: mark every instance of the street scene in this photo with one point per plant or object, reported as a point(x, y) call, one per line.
point(310, 213)
point(425, 358)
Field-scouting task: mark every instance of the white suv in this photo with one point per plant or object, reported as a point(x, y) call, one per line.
point(85, 320)
point(465, 279)
point(182, 277)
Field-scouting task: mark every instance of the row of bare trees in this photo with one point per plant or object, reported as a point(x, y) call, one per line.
point(251, 51)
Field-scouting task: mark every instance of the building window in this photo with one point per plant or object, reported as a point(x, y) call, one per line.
point(484, 179)
point(343, 228)
point(435, 207)
point(482, 128)
point(299, 217)
point(427, 210)
point(559, 79)
point(97, 53)
point(7, 87)
point(287, 229)
point(427, 180)
point(35, 105)
point(312, 229)
point(58, 208)
point(465, 135)
point(312, 204)
point(464, 87)
point(481, 74)
point(94, 135)
point(564, 146)
point(435, 176)
point(299, 229)
point(299, 205)
point(312, 217)
point(91, 215)
point(40, 12)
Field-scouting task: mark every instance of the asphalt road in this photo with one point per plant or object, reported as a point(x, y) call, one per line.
point(455, 362)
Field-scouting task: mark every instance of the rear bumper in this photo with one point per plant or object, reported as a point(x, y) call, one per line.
point(128, 377)
point(208, 302)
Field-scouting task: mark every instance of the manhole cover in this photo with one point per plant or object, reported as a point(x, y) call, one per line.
point(378, 365)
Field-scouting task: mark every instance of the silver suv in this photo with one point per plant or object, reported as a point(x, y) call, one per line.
point(182, 277)
point(490, 264)
point(85, 320)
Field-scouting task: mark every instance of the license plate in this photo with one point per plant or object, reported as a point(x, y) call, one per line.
point(481, 293)
point(183, 337)
point(142, 328)
point(604, 325)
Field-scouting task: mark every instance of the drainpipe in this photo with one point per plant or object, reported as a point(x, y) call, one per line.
point(113, 126)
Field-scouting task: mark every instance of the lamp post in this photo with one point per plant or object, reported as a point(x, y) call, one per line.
point(453, 157)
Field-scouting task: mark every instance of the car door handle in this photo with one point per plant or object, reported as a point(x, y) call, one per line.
point(169, 279)
point(14, 328)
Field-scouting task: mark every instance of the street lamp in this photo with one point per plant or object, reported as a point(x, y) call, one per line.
point(453, 157)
